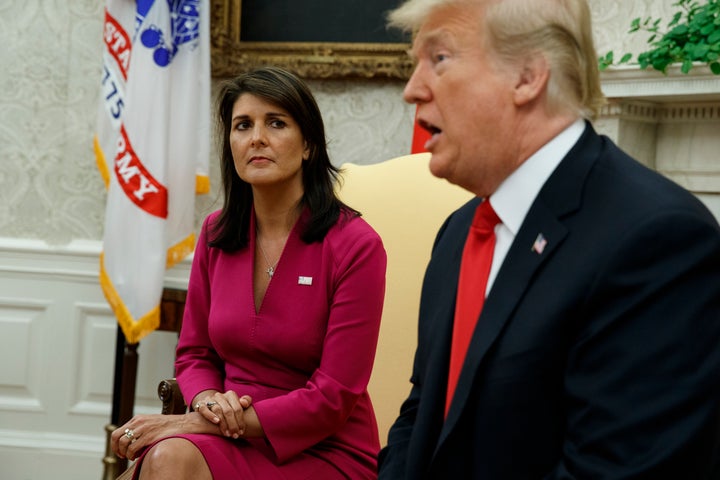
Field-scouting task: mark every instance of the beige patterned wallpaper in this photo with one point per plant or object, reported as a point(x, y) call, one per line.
point(612, 19)
point(49, 87)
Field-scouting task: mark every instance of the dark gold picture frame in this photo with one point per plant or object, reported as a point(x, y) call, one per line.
point(318, 60)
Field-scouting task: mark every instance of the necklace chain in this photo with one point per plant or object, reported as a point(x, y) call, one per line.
point(271, 267)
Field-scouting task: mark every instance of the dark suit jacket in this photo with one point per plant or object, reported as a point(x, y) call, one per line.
point(598, 358)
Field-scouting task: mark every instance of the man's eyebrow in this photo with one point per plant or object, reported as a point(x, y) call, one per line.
point(429, 40)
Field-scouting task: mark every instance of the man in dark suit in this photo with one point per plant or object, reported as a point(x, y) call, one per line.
point(596, 354)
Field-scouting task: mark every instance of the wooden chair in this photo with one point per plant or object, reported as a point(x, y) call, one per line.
point(173, 402)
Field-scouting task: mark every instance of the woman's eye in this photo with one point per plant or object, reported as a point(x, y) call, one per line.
point(242, 125)
point(277, 123)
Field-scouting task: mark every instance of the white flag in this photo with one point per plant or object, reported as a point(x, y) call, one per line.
point(152, 147)
point(117, 31)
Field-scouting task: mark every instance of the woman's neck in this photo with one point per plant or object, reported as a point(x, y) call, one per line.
point(275, 215)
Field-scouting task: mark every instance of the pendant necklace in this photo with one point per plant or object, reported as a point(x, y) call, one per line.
point(271, 268)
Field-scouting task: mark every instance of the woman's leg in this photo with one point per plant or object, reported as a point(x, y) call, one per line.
point(174, 458)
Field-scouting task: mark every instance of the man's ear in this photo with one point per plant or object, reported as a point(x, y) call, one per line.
point(532, 80)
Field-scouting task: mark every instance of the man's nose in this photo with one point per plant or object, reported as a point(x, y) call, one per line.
point(416, 89)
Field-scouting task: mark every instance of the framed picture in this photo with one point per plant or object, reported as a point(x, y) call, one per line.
point(316, 38)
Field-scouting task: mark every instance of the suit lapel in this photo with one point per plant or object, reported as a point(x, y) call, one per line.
point(520, 265)
point(560, 196)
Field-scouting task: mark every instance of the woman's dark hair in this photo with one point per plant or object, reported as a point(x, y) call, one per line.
point(230, 231)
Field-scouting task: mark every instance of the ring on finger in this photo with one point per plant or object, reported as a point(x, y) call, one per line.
point(130, 434)
point(209, 405)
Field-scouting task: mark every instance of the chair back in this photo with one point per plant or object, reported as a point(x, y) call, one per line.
point(406, 205)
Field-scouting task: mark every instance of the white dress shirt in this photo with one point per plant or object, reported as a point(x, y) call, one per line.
point(513, 198)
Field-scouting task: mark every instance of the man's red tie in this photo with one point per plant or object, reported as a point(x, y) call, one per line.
point(474, 270)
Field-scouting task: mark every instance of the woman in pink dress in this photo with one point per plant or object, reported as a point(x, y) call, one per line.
point(283, 310)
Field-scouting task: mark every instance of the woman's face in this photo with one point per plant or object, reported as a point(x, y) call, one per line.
point(267, 145)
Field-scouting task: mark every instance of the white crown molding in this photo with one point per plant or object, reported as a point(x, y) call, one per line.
point(652, 112)
point(52, 442)
point(636, 110)
point(629, 81)
point(76, 261)
point(690, 112)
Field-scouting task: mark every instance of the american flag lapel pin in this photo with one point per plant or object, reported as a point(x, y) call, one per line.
point(539, 244)
point(304, 280)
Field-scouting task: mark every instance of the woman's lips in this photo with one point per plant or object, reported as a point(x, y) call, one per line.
point(258, 159)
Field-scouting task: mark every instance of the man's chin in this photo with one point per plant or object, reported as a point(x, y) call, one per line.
point(438, 166)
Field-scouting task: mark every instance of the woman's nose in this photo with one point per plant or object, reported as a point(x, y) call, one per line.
point(258, 137)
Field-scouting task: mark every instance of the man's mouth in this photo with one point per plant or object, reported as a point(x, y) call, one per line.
point(432, 130)
point(429, 127)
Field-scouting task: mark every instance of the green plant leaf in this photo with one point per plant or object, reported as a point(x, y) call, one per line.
point(605, 61)
point(707, 29)
point(692, 35)
point(661, 63)
point(679, 31)
point(700, 51)
point(676, 18)
point(715, 68)
point(699, 20)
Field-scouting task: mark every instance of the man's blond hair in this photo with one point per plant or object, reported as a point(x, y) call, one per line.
point(560, 30)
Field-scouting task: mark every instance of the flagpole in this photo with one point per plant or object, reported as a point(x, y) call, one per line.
point(123, 402)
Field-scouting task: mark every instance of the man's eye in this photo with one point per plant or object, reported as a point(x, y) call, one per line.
point(439, 57)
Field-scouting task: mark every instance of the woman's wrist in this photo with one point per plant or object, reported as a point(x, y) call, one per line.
point(194, 422)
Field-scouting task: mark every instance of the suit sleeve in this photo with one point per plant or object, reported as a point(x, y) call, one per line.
point(643, 374)
point(393, 457)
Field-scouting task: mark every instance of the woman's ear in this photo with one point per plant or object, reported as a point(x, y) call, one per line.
point(532, 80)
point(306, 152)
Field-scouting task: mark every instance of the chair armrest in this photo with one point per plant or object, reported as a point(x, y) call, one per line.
point(173, 402)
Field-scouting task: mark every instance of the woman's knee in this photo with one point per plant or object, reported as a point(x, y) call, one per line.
point(173, 458)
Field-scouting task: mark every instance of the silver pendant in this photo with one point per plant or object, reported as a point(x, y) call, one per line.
point(270, 271)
